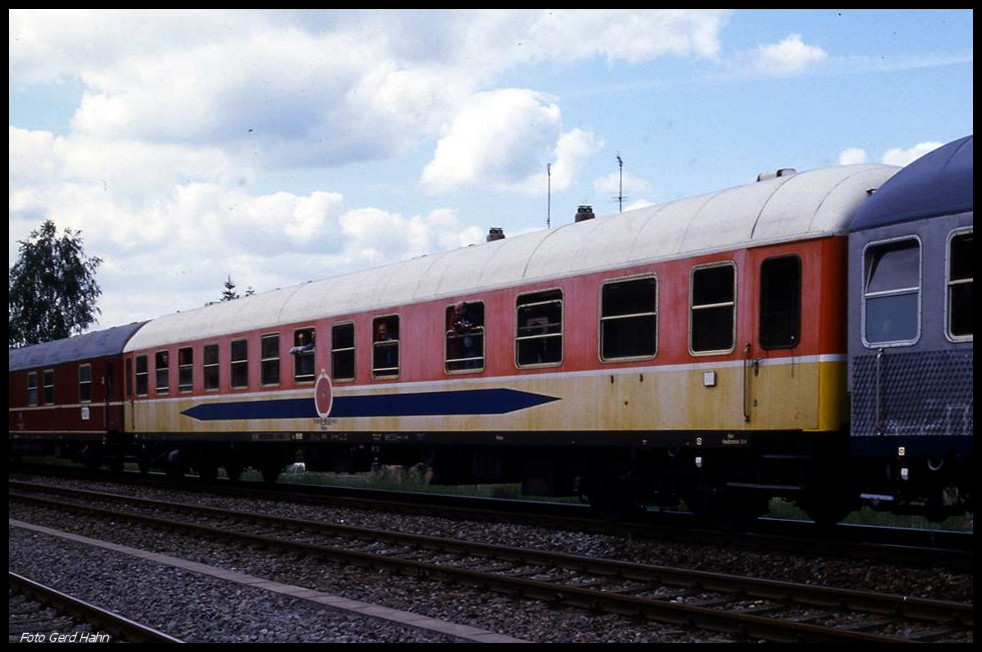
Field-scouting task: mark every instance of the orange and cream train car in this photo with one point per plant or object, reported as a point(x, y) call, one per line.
point(693, 350)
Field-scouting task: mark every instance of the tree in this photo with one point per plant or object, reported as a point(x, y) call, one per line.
point(229, 292)
point(52, 289)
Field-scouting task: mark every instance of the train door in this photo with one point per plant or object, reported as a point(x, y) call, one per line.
point(770, 381)
point(112, 414)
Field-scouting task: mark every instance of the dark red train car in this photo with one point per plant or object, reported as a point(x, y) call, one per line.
point(66, 396)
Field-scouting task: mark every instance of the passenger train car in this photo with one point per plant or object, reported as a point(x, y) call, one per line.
point(66, 396)
point(691, 351)
point(911, 341)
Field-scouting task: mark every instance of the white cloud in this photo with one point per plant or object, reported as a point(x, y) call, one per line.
point(504, 139)
point(612, 184)
point(900, 156)
point(278, 88)
point(790, 56)
point(852, 155)
point(181, 112)
point(893, 156)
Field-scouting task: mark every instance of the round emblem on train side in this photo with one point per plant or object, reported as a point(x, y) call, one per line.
point(323, 395)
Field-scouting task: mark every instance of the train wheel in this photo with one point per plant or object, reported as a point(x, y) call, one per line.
point(234, 471)
point(271, 472)
point(731, 512)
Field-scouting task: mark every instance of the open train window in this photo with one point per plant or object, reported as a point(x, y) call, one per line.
point(142, 376)
point(304, 341)
point(780, 302)
point(32, 388)
point(343, 351)
point(211, 368)
point(960, 282)
point(161, 365)
point(49, 386)
point(240, 364)
point(892, 292)
point(464, 340)
point(539, 334)
point(712, 317)
point(269, 363)
point(185, 369)
point(385, 347)
point(85, 383)
point(628, 319)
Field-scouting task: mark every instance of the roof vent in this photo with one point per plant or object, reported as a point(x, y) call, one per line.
point(781, 172)
point(584, 213)
point(496, 233)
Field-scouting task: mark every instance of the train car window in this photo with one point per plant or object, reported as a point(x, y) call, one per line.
point(629, 319)
point(539, 333)
point(464, 337)
point(780, 302)
point(211, 367)
point(960, 282)
point(85, 383)
point(49, 386)
point(343, 351)
point(240, 364)
point(32, 388)
point(712, 318)
point(270, 359)
point(304, 344)
point(892, 293)
point(185, 369)
point(385, 347)
point(162, 367)
point(142, 376)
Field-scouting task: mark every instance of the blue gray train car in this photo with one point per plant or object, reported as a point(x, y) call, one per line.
point(911, 336)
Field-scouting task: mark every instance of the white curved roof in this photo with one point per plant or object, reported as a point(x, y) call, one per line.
point(806, 205)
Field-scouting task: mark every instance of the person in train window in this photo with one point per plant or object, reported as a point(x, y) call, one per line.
point(303, 354)
point(303, 344)
point(466, 325)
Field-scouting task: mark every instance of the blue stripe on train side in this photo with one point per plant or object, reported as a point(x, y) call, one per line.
point(424, 404)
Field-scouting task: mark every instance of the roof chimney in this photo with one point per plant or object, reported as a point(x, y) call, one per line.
point(781, 172)
point(496, 233)
point(584, 213)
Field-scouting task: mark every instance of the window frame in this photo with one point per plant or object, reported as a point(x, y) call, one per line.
point(156, 372)
point(46, 386)
point(692, 308)
point(601, 318)
point(205, 366)
point(232, 362)
point(263, 360)
point(864, 295)
point(397, 342)
point(353, 349)
point(145, 373)
point(33, 375)
point(312, 377)
point(949, 284)
point(562, 327)
point(87, 383)
point(760, 311)
point(188, 368)
point(448, 311)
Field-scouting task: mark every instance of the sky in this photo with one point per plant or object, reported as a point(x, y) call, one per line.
point(278, 147)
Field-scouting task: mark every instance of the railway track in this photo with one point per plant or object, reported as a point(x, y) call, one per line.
point(41, 614)
point(909, 547)
point(754, 608)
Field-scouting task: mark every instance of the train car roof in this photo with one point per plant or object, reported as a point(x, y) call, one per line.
point(939, 183)
point(98, 344)
point(806, 205)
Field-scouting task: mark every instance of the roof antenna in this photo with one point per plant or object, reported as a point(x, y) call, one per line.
point(620, 184)
point(548, 195)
